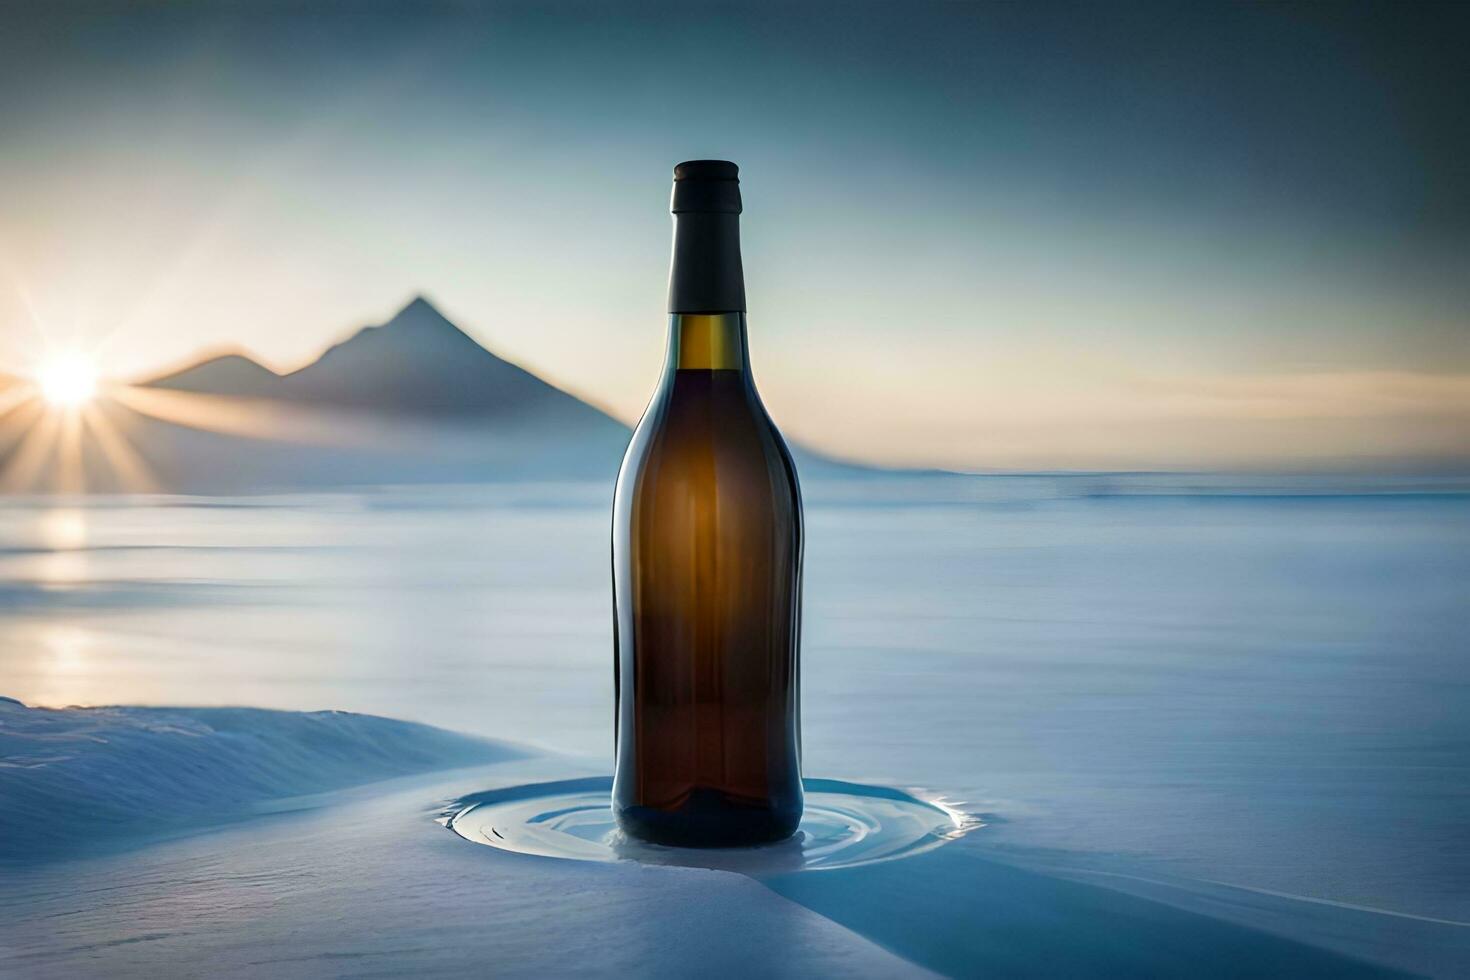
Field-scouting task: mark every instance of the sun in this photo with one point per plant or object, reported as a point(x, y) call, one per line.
point(67, 380)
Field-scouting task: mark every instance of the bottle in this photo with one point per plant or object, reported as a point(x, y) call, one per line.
point(707, 547)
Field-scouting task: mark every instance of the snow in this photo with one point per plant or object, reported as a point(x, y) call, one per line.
point(82, 779)
point(364, 881)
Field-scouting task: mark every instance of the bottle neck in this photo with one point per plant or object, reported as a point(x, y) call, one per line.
point(705, 275)
point(707, 342)
point(706, 280)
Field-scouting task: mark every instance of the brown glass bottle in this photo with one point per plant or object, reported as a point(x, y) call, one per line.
point(707, 541)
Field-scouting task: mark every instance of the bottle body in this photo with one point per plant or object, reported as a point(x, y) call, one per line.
point(707, 549)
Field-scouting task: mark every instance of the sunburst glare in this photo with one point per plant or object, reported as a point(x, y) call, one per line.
point(61, 431)
point(68, 380)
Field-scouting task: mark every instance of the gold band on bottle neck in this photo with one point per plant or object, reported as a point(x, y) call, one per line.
point(709, 341)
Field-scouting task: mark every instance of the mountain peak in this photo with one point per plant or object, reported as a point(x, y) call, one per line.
point(420, 363)
point(228, 373)
point(420, 313)
point(417, 363)
point(418, 332)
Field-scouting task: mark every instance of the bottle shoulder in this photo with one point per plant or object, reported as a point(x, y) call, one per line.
point(710, 424)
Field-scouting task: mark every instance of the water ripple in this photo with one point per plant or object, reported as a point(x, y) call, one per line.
point(844, 825)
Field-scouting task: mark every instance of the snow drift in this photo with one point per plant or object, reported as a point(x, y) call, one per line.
point(128, 773)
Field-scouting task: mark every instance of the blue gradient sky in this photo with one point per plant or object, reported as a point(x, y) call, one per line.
point(978, 236)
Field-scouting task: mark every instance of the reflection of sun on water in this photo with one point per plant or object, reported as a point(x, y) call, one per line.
point(62, 529)
point(63, 532)
point(61, 668)
point(62, 570)
point(68, 648)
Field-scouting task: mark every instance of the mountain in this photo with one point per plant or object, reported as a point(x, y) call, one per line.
point(414, 400)
point(229, 374)
point(416, 364)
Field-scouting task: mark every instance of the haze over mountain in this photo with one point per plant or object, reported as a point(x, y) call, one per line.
point(413, 400)
point(417, 364)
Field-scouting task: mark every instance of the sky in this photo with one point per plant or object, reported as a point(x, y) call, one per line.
point(1095, 236)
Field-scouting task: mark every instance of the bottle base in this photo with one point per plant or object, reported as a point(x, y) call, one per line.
point(708, 819)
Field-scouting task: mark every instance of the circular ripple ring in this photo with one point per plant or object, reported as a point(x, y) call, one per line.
point(845, 825)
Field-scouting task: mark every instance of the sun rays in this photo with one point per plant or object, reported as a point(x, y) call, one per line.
point(58, 433)
point(55, 438)
point(51, 429)
point(69, 433)
point(250, 418)
point(65, 429)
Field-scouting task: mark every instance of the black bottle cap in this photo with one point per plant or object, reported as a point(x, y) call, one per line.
point(706, 170)
point(706, 186)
